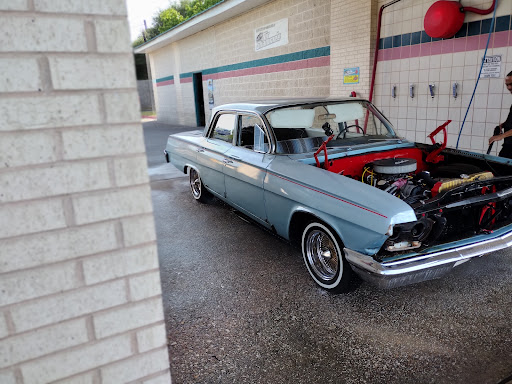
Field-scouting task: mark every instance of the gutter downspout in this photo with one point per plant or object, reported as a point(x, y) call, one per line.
point(375, 57)
point(480, 11)
point(374, 69)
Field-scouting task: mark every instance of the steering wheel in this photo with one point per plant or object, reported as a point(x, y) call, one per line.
point(345, 130)
point(359, 128)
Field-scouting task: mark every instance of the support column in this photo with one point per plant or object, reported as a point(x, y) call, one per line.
point(353, 32)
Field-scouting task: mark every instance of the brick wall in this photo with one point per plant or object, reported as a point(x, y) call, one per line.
point(232, 42)
point(349, 28)
point(145, 91)
point(353, 32)
point(166, 104)
point(80, 288)
point(403, 61)
point(151, 63)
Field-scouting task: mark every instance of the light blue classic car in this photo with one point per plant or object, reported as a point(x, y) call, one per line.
point(334, 177)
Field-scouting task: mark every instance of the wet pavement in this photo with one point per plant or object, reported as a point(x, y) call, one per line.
point(240, 307)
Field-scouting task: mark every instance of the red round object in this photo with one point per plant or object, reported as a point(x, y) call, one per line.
point(443, 19)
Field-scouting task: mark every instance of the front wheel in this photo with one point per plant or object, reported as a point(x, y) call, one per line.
point(199, 192)
point(324, 258)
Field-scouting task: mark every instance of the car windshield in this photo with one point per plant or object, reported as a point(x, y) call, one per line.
point(303, 128)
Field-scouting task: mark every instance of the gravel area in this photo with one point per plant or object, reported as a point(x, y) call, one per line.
point(240, 307)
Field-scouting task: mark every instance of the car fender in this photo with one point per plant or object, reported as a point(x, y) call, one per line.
point(348, 233)
point(362, 215)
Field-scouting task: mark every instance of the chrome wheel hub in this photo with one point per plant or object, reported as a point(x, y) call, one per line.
point(322, 255)
point(195, 183)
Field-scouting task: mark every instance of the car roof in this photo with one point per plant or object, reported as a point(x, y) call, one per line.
point(263, 106)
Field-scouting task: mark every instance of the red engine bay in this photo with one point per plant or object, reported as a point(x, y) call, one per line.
point(404, 172)
point(354, 166)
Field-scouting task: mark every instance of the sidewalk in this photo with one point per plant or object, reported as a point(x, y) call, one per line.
point(155, 139)
point(145, 119)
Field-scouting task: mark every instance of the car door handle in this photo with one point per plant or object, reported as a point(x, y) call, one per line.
point(227, 161)
point(200, 150)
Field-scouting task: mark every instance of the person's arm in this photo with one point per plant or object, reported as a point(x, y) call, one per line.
point(501, 136)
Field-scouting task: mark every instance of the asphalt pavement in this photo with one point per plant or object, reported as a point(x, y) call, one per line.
point(155, 138)
point(240, 306)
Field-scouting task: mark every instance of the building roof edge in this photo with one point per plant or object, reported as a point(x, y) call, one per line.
point(216, 14)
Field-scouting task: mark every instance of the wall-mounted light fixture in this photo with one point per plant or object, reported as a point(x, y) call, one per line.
point(411, 91)
point(393, 91)
point(431, 89)
point(454, 90)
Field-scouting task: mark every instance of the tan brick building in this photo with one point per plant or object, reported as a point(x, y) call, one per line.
point(320, 42)
point(80, 293)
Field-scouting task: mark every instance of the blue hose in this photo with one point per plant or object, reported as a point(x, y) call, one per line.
point(480, 73)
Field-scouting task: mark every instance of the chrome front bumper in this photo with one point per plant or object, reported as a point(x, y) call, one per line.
point(421, 267)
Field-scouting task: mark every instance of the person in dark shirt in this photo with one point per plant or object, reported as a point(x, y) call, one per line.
point(506, 127)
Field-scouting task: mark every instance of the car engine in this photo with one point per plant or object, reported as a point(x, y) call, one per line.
point(398, 177)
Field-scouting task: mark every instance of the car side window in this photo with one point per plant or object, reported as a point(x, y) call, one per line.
point(251, 134)
point(224, 128)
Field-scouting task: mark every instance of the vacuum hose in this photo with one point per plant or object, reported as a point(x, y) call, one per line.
point(497, 131)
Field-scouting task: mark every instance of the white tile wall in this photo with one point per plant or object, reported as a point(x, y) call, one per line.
point(423, 114)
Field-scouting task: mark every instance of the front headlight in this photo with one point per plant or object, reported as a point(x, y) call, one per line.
point(409, 235)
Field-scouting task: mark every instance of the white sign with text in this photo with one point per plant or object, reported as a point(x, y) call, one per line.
point(492, 66)
point(271, 35)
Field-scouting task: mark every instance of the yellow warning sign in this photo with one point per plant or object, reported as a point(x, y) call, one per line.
point(351, 75)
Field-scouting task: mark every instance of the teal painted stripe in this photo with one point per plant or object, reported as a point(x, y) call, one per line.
point(473, 28)
point(167, 78)
point(302, 55)
point(286, 58)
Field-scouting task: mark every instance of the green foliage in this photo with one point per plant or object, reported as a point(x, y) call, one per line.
point(138, 41)
point(173, 16)
point(193, 7)
point(167, 19)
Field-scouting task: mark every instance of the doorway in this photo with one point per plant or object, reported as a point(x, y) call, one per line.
point(197, 81)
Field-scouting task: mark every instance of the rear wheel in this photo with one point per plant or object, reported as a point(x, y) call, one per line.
point(199, 192)
point(324, 258)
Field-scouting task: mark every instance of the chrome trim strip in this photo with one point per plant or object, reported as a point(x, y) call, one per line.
point(422, 262)
point(504, 193)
